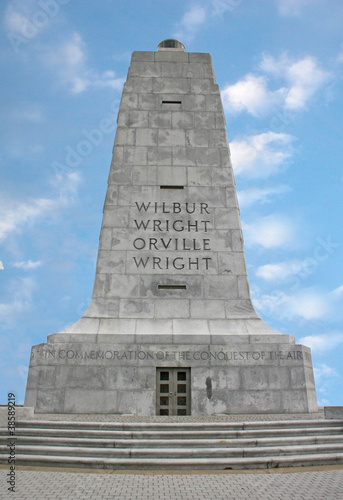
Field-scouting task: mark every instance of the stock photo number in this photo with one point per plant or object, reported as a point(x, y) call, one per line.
point(10, 477)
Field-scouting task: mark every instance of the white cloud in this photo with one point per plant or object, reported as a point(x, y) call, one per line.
point(67, 187)
point(339, 58)
point(322, 401)
point(279, 271)
point(15, 216)
point(20, 147)
point(18, 14)
point(1, 266)
point(23, 371)
point(261, 155)
point(220, 7)
point(28, 111)
point(270, 232)
point(323, 342)
point(310, 305)
point(21, 293)
point(338, 292)
point(301, 80)
point(27, 265)
point(15, 21)
point(250, 196)
point(270, 304)
point(69, 60)
point(197, 15)
point(251, 94)
point(292, 7)
point(37, 149)
point(326, 379)
point(24, 20)
point(122, 56)
point(307, 304)
point(194, 17)
point(302, 269)
point(191, 22)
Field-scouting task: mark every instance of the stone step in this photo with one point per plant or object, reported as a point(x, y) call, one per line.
point(183, 425)
point(174, 443)
point(180, 445)
point(175, 434)
point(267, 462)
point(67, 451)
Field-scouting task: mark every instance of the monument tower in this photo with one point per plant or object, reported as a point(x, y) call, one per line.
point(171, 329)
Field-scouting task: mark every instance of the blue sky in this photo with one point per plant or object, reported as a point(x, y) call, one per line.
point(279, 64)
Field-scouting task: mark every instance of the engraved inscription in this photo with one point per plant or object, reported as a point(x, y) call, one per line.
point(197, 355)
point(148, 239)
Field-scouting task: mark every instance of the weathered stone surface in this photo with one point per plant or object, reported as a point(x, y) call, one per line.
point(144, 177)
point(333, 412)
point(146, 328)
point(111, 326)
point(142, 56)
point(242, 377)
point(208, 309)
point(84, 325)
point(170, 56)
point(136, 308)
point(169, 309)
point(21, 413)
point(172, 176)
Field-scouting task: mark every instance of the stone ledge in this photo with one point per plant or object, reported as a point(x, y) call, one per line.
point(21, 413)
point(333, 412)
point(212, 339)
point(220, 418)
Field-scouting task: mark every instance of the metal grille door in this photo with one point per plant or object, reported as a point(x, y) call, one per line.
point(173, 391)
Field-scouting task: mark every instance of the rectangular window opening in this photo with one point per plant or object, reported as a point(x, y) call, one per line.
point(172, 287)
point(171, 187)
point(172, 102)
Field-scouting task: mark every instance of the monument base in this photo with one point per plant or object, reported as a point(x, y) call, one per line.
point(182, 376)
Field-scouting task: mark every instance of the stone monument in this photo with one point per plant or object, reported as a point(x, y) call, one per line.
point(171, 329)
